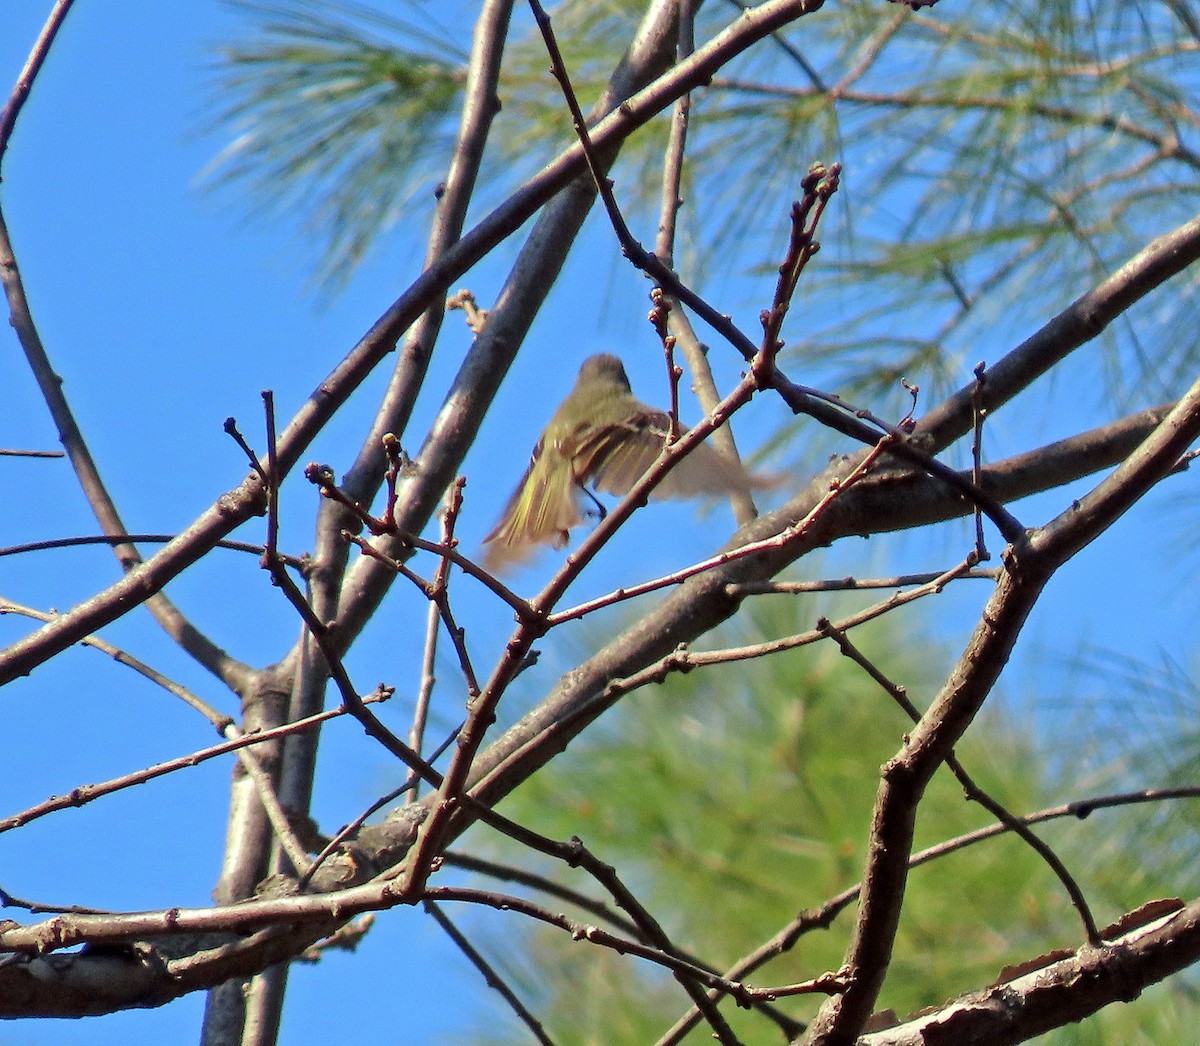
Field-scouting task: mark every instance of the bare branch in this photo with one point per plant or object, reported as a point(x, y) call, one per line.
point(490, 976)
point(1046, 995)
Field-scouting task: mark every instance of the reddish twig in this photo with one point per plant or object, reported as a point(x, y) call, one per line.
point(321, 476)
point(684, 660)
point(861, 469)
point(594, 935)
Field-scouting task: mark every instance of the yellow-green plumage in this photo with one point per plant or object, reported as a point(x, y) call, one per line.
point(602, 435)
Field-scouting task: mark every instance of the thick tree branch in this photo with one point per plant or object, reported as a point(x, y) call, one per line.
point(1029, 565)
point(1060, 992)
point(582, 697)
point(248, 500)
point(1079, 323)
point(889, 501)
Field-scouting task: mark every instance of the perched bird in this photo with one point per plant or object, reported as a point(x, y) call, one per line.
point(603, 435)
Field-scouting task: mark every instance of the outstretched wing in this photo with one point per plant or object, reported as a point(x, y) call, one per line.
point(615, 457)
point(540, 511)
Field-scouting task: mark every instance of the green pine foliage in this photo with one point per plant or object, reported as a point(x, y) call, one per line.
point(735, 797)
point(339, 114)
point(999, 158)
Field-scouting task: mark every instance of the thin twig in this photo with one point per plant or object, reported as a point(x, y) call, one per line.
point(980, 413)
point(295, 562)
point(789, 49)
point(543, 884)
point(337, 670)
point(321, 476)
point(345, 939)
point(829, 409)
point(822, 917)
point(677, 326)
point(29, 72)
point(219, 720)
point(685, 660)
point(818, 185)
point(861, 469)
point(439, 589)
point(416, 733)
point(593, 935)
point(490, 976)
point(851, 584)
point(348, 829)
point(1117, 125)
point(267, 783)
point(84, 794)
point(970, 788)
point(410, 785)
point(469, 862)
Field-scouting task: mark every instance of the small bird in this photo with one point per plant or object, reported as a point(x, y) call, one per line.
point(603, 435)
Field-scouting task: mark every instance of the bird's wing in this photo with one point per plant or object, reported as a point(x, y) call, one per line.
point(540, 511)
point(614, 458)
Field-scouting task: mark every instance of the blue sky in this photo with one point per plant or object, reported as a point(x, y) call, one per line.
point(148, 294)
point(164, 313)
